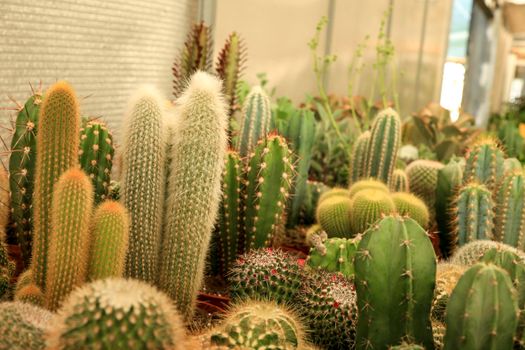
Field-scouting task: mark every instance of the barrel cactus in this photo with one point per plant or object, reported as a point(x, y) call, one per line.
point(367, 184)
point(411, 206)
point(471, 253)
point(333, 214)
point(367, 207)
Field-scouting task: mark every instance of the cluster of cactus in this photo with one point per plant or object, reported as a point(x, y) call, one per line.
point(333, 255)
point(423, 178)
point(484, 163)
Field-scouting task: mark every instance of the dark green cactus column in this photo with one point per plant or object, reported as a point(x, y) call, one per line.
point(358, 160)
point(509, 225)
point(484, 163)
point(395, 269)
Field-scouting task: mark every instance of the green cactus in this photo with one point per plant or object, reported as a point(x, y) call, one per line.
point(472, 252)
point(423, 177)
point(333, 192)
point(69, 244)
point(114, 190)
point(358, 159)
point(24, 279)
point(333, 214)
point(406, 274)
point(482, 310)
point(57, 144)
point(367, 207)
point(143, 183)
point(31, 294)
point(230, 64)
point(399, 181)
point(314, 190)
point(22, 171)
point(109, 241)
point(407, 346)
point(334, 255)
point(266, 274)
point(447, 276)
point(484, 163)
point(313, 233)
point(367, 184)
point(96, 156)
point(255, 120)
point(328, 304)
point(511, 164)
point(509, 220)
point(474, 213)
point(117, 314)
point(410, 205)
point(448, 183)
point(383, 145)
point(194, 188)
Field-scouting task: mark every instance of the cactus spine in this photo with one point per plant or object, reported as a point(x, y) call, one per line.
point(143, 183)
point(230, 65)
point(509, 225)
point(333, 255)
point(399, 181)
point(255, 121)
point(474, 213)
point(358, 159)
point(383, 145)
point(407, 272)
point(57, 144)
point(368, 184)
point(69, 244)
point(333, 214)
point(194, 189)
point(410, 205)
point(472, 252)
point(367, 207)
point(484, 163)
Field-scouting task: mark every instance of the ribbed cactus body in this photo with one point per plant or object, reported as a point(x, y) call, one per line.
point(511, 164)
point(69, 244)
point(482, 310)
point(109, 241)
point(484, 163)
point(423, 177)
point(230, 65)
point(333, 214)
point(96, 156)
point(334, 192)
point(383, 145)
point(472, 252)
point(368, 184)
point(399, 181)
point(57, 144)
point(474, 212)
point(24, 279)
point(509, 221)
point(367, 207)
point(143, 183)
point(411, 206)
point(31, 294)
point(407, 346)
point(394, 290)
point(255, 120)
point(194, 189)
point(333, 255)
point(22, 172)
point(447, 276)
point(358, 159)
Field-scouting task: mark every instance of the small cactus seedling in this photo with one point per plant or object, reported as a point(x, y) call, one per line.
point(447, 276)
point(367, 184)
point(333, 214)
point(399, 181)
point(358, 159)
point(423, 177)
point(484, 163)
point(471, 253)
point(367, 207)
point(409, 205)
point(230, 64)
point(334, 255)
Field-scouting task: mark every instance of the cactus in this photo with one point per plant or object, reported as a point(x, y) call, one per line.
point(482, 310)
point(399, 181)
point(423, 177)
point(334, 255)
point(438, 331)
point(313, 191)
point(472, 252)
point(313, 234)
point(109, 241)
point(410, 205)
point(367, 184)
point(406, 274)
point(194, 189)
point(484, 163)
point(143, 183)
point(509, 220)
point(383, 145)
point(447, 276)
point(448, 182)
point(358, 158)
point(255, 120)
point(22, 171)
point(329, 307)
point(407, 346)
point(30, 294)
point(333, 192)
point(24, 279)
point(114, 190)
point(333, 214)
point(69, 244)
point(57, 144)
point(266, 274)
point(195, 55)
point(474, 215)
point(367, 207)
point(511, 164)
point(259, 325)
point(230, 64)
point(117, 314)
point(96, 156)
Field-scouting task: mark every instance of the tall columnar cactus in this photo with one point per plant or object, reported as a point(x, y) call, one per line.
point(367, 207)
point(96, 156)
point(22, 172)
point(410, 205)
point(406, 274)
point(509, 222)
point(448, 182)
point(474, 213)
point(69, 243)
point(143, 183)
point(333, 214)
point(268, 181)
point(399, 181)
point(358, 159)
point(368, 184)
point(57, 144)
point(472, 252)
point(117, 314)
point(109, 241)
point(482, 310)
point(423, 177)
point(255, 120)
point(484, 163)
point(194, 189)
point(333, 255)
point(383, 145)
point(230, 64)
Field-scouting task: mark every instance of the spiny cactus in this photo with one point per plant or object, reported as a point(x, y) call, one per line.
point(69, 244)
point(22, 172)
point(255, 120)
point(143, 183)
point(407, 346)
point(266, 274)
point(511, 164)
point(230, 64)
point(24, 279)
point(367, 207)
point(194, 188)
point(96, 156)
point(117, 314)
point(382, 147)
point(334, 192)
point(30, 294)
point(334, 255)
point(259, 325)
point(448, 183)
point(109, 241)
point(367, 184)
point(399, 181)
point(447, 276)
point(474, 213)
point(329, 307)
point(5, 203)
point(333, 214)
point(472, 252)
point(410, 205)
point(313, 233)
point(358, 159)
point(314, 190)
point(394, 290)
point(57, 144)
point(423, 177)
point(438, 331)
point(484, 163)
point(482, 310)
point(7, 268)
